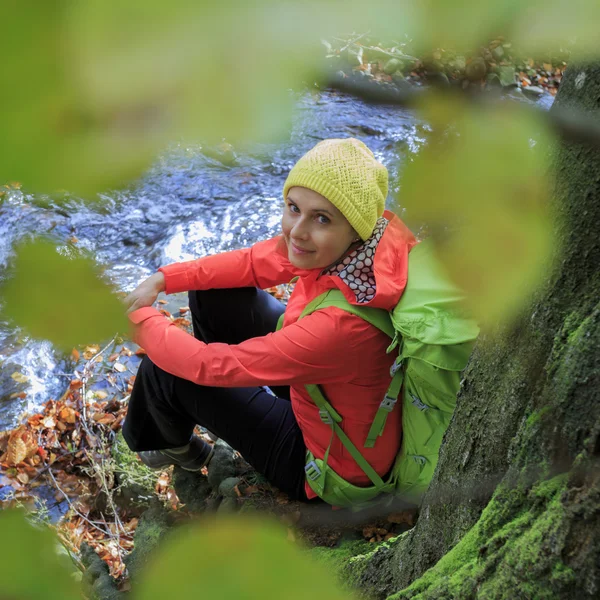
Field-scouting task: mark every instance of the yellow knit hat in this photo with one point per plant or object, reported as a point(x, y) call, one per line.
point(349, 176)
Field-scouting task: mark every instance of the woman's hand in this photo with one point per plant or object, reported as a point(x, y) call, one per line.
point(146, 293)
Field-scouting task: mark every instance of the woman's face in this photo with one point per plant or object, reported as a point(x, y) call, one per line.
point(316, 233)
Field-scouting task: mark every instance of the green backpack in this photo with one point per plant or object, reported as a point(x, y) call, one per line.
point(435, 338)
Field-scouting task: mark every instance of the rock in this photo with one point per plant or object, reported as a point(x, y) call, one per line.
point(391, 66)
point(498, 53)
point(493, 80)
point(438, 79)
point(476, 70)
point(227, 487)
point(96, 576)
point(192, 489)
point(460, 63)
point(534, 91)
point(151, 530)
point(228, 505)
point(222, 465)
point(507, 76)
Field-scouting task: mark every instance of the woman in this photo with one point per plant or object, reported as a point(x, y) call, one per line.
point(335, 234)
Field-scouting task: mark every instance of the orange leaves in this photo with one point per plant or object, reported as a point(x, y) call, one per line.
point(68, 415)
point(21, 446)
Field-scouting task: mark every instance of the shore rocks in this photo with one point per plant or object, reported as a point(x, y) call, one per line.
point(476, 69)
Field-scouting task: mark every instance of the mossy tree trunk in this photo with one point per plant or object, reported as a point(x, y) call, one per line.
point(514, 508)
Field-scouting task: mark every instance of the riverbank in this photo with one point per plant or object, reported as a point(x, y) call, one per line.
point(496, 67)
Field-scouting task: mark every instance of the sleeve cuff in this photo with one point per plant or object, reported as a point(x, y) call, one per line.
point(142, 314)
point(176, 279)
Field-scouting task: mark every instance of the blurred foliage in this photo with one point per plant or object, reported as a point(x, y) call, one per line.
point(234, 559)
point(482, 185)
point(96, 90)
point(462, 25)
point(229, 558)
point(31, 566)
point(61, 298)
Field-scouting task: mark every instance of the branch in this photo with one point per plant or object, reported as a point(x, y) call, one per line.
point(572, 125)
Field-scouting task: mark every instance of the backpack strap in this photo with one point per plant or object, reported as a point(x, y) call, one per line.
point(388, 403)
point(380, 319)
point(375, 316)
point(331, 417)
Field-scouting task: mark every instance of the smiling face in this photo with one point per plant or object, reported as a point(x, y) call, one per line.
point(316, 233)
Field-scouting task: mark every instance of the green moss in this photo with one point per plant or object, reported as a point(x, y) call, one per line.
point(516, 544)
point(340, 558)
point(152, 528)
point(136, 481)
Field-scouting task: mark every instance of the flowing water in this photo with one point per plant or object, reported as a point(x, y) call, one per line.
point(190, 203)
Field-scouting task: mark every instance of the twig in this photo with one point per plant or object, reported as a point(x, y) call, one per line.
point(72, 507)
point(85, 376)
point(572, 125)
point(349, 43)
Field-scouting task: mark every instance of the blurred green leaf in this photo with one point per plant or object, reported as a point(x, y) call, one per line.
point(97, 89)
point(234, 559)
point(60, 298)
point(482, 185)
point(544, 26)
point(53, 137)
point(31, 566)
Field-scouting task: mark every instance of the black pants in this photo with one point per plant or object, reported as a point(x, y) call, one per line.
point(163, 408)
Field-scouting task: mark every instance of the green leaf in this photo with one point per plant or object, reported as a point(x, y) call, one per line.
point(98, 89)
point(53, 136)
point(235, 559)
point(31, 566)
point(547, 25)
point(60, 298)
point(482, 185)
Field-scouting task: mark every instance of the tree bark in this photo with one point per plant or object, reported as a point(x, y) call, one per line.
point(513, 510)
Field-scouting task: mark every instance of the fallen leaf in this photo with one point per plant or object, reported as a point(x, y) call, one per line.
point(113, 357)
point(75, 354)
point(21, 445)
point(406, 516)
point(23, 477)
point(90, 351)
point(101, 394)
point(49, 422)
point(20, 377)
point(120, 367)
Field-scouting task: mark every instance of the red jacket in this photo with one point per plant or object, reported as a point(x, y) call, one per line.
point(338, 350)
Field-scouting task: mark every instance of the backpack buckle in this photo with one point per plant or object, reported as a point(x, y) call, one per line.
point(312, 471)
point(416, 401)
point(326, 417)
point(388, 403)
point(396, 366)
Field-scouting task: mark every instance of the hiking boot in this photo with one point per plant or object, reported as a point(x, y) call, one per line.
point(192, 457)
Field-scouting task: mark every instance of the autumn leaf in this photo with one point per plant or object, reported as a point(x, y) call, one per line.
point(20, 377)
point(21, 445)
